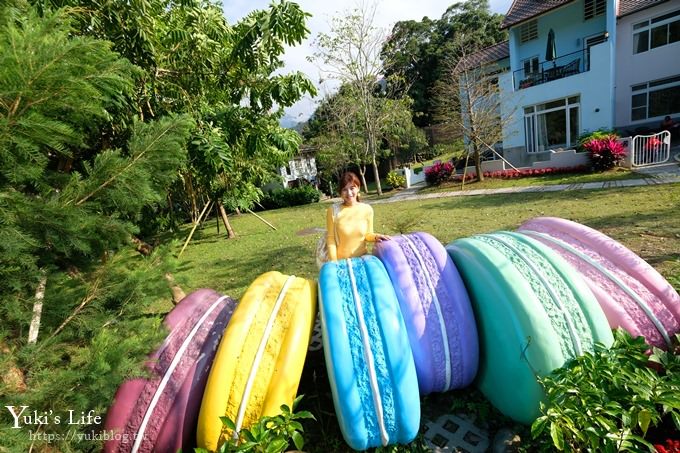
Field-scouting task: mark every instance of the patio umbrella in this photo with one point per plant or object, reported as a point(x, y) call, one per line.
point(550, 51)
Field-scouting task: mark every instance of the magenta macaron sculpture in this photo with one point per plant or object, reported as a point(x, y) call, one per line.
point(632, 293)
point(159, 413)
point(436, 309)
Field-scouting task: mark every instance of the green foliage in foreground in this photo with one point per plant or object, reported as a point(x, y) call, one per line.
point(271, 434)
point(608, 400)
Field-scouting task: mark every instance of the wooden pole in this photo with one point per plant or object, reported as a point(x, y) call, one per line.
point(194, 228)
point(263, 220)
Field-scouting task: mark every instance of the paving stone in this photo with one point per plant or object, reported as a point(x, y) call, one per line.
point(452, 433)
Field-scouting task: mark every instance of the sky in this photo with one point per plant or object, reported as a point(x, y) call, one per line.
point(295, 58)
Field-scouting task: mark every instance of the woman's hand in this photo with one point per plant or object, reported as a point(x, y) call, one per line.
point(381, 237)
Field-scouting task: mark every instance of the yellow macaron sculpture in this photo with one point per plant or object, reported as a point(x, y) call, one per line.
point(259, 362)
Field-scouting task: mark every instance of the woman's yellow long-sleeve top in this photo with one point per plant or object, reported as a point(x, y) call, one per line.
point(354, 227)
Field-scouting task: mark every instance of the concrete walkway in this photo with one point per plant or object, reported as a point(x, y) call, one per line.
point(653, 175)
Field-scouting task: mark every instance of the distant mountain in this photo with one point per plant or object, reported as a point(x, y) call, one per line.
point(288, 121)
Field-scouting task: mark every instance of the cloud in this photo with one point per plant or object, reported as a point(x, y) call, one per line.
point(388, 13)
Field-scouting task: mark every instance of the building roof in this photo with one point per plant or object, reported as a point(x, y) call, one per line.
point(630, 6)
point(487, 55)
point(523, 10)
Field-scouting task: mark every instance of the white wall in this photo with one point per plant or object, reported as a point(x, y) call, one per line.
point(632, 69)
point(593, 86)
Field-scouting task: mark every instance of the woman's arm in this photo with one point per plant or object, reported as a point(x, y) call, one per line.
point(331, 246)
point(370, 235)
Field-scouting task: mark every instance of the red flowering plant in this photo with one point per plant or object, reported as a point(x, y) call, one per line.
point(605, 151)
point(438, 173)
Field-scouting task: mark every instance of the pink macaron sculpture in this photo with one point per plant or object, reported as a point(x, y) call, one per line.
point(436, 308)
point(159, 413)
point(632, 294)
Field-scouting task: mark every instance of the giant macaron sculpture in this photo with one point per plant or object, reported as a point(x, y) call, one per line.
point(258, 365)
point(159, 413)
point(368, 356)
point(533, 312)
point(436, 310)
point(632, 293)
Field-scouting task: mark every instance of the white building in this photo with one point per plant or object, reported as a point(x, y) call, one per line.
point(616, 65)
point(302, 166)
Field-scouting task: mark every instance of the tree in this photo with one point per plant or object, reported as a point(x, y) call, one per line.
point(468, 102)
point(351, 54)
point(194, 62)
point(421, 51)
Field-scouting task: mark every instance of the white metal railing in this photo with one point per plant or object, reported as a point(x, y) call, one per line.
point(651, 149)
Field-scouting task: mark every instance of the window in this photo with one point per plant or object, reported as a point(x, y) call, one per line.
point(530, 66)
point(655, 99)
point(552, 125)
point(528, 31)
point(594, 8)
point(656, 32)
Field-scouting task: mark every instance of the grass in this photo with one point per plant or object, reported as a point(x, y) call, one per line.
point(617, 174)
point(646, 219)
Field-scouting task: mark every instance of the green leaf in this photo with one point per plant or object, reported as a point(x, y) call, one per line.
point(538, 426)
point(557, 437)
point(226, 421)
point(644, 418)
point(298, 440)
point(276, 446)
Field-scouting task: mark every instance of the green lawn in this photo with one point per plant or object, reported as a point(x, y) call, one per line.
point(645, 218)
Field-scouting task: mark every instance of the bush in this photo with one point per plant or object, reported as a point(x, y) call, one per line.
point(611, 399)
point(604, 149)
point(395, 180)
point(283, 198)
point(438, 173)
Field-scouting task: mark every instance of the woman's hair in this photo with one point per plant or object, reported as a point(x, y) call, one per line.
point(348, 178)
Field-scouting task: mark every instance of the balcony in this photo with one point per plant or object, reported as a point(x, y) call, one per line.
point(547, 71)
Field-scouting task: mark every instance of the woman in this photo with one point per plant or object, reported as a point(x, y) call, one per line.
point(352, 226)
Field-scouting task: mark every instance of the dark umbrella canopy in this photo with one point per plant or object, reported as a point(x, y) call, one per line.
point(550, 51)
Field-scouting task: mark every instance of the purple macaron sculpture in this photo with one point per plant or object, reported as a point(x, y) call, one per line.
point(159, 413)
point(436, 308)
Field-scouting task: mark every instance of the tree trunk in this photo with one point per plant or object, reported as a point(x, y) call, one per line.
point(177, 292)
point(217, 219)
point(376, 175)
point(37, 308)
point(478, 164)
point(230, 231)
point(362, 174)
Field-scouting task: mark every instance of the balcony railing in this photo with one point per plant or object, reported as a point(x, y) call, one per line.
point(547, 71)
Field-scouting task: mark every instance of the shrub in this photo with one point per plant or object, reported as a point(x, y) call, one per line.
point(395, 180)
point(438, 173)
point(283, 198)
point(603, 148)
point(611, 399)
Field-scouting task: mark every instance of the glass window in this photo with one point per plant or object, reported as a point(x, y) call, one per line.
point(655, 99)
point(573, 125)
point(659, 36)
point(660, 31)
point(639, 107)
point(641, 42)
point(674, 31)
point(664, 102)
point(552, 125)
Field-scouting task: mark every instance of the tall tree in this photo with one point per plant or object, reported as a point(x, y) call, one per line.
point(468, 103)
point(351, 54)
point(421, 51)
